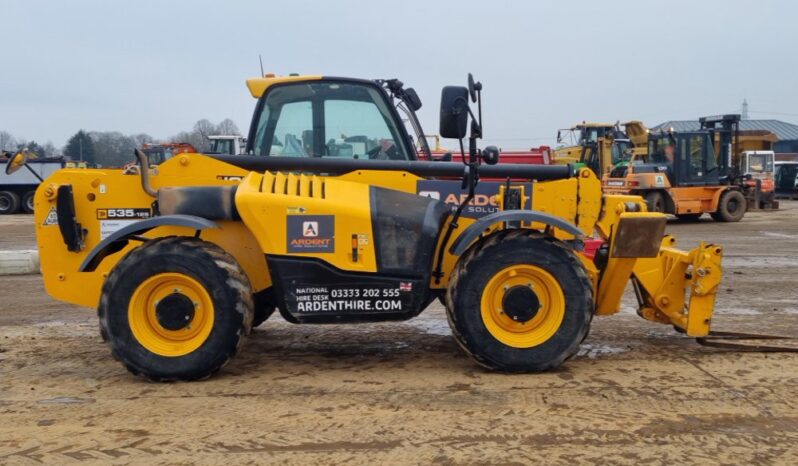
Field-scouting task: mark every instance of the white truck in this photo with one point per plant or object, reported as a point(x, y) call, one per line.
point(17, 189)
point(228, 144)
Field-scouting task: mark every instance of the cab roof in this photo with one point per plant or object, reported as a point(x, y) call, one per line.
point(257, 86)
point(593, 125)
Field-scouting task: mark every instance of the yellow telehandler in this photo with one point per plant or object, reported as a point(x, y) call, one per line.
point(324, 221)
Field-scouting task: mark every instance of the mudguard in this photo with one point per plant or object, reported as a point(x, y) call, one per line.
point(118, 240)
point(471, 233)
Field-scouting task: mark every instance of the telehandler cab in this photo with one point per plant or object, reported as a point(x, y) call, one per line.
point(323, 221)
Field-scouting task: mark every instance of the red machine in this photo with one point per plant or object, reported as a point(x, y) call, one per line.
point(535, 155)
point(158, 153)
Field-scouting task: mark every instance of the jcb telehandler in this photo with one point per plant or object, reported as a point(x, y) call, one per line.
point(323, 222)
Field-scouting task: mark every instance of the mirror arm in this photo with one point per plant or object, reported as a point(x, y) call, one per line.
point(476, 125)
point(34, 173)
point(479, 108)
point(470, 176)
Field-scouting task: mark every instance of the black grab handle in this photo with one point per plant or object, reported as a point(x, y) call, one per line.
point(339, 166)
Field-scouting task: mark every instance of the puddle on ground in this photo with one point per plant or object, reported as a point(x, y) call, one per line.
point(432, 327)
point(779, 235)
point(760, 261)
point(593, 350)
point(66, 400)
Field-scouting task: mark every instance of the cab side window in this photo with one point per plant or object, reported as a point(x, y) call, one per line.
point(293, 133)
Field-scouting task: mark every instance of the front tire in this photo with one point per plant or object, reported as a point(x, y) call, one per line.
point(176, 308)
point(520, 302)
point(731, 207)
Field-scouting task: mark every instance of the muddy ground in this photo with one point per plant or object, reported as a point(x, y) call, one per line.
point(638, 393)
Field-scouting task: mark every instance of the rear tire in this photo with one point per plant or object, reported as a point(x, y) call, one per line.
point(27, 202)
point(655, 201)
point(731, 207)
point(9, 202)
point(176, 308)
point(520, 302)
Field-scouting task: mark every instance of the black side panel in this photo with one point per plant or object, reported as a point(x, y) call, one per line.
point(312, 291)
point(406, 229)
point(211, 202)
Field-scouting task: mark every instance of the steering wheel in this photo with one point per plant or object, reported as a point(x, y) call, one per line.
point(390, 153)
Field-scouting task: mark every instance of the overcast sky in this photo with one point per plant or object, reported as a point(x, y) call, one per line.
point(158, 66)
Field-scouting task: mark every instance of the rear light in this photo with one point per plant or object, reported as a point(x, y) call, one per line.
point(633, 183)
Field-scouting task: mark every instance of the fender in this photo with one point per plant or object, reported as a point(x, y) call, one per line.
point(476, 229)
point(119, 239)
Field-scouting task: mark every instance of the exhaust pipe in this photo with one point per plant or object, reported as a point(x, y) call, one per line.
point(145, 173)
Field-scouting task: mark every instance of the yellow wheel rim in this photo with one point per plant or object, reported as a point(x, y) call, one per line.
point(545, 322)
point(171, 330)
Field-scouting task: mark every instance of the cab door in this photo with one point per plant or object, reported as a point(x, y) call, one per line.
point(697, 161)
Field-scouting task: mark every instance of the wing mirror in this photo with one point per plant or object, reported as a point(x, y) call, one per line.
point(16, 162)
point(473, 87)
point(454, 112)
point(413, 100)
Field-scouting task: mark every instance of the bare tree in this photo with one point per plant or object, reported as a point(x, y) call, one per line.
point(227, 127)
point(114, 149)
point(7, 141)
point(50, 149)
point(205, 128)
point(142, 139)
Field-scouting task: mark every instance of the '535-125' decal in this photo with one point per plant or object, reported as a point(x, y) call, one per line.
point(118, 213)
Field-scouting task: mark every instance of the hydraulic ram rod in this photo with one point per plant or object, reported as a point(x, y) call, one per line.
point(335, 166)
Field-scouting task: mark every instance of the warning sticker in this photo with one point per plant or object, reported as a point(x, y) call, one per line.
point(52, 217)
point(310, 233)
point(109, 227)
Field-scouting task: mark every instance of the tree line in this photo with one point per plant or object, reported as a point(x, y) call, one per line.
point(112, 148)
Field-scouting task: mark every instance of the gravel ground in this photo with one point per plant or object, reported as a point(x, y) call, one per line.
point(638, 393)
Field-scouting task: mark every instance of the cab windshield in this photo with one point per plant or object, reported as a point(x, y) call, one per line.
point(661, 150)
point(592, 133)
point(328, 119)
point(222, 146)
point(621, 152)
point(157, 155)
point(760, 163)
